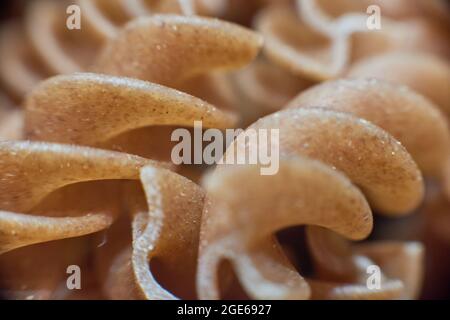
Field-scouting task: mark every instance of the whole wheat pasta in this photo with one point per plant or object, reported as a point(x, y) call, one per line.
point(224, 46)
point(53, 49)
point(325, 48)
point(396, 109)
point(424, 30)
point(106, 17)
point(264, 88)
point(152, 105)
point(91, 188)
point(170, 248)
point(63, 51)
point(33, 171)
point(193, 69)
point(97, 89)
point(241, 232)
point(60, 50)
point(327, 15)
point(348, 144)
point(38, 271)
point(99, 108)
point(381, 103)
point(54, 192)
point(336, 262)
point(425, 74)
point(308, 53)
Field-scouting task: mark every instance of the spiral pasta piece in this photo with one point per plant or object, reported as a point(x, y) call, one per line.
point(20, 69)
point(370, 157)
point(328, 15)
point(165, 235)
point(131, 104)
point(411, 119)
point(264, 88)
point(38, 271)
point(49, 47)
point(425, 74)
point(106, 17)
point(424, 31)
point(239, 233)
point(60, 49)
point(326, 47)
point(30, 172)
point(205, 48)
point(113, 112)
point(381, 103)
point(337, 262)
point(153, 58)
point(202, 45)
point(307, 53)
point(142, 231)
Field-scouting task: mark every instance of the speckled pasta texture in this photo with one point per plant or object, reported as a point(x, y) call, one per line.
point(87, 170)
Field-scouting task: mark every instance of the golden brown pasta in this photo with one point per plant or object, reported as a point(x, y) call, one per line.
point(165, 235)
point(115, 113)
point(409, 117)
point(20, 69)
point(306, 53)
point(31, 172)
point(264, 88)
point(48, 47)
point(223, 46)
point(60, 50)
point(336, 262)
point(425, 74)
point(38, 272)
point(107, 17)
point(370, 157)
point(347, 20)
point(136, 105)
point(92, 188)
point(325, 15)
point(334, 36)
point(236, 225)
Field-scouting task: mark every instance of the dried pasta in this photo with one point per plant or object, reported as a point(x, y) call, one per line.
point(356, 146)
point(87, 118)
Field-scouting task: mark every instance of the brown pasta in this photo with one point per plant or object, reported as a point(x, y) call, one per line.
point(425, 74)
point(85, 172)
point(263, 88)
point(358, 149)
point(308, 53)
point(170, 248)
point(47, 49)
point(333, 36)
point(223, 47)
point(123, 104)
point(33, 171)
point(396, 109)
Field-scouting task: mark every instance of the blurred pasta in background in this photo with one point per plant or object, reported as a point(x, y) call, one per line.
point(86, 177)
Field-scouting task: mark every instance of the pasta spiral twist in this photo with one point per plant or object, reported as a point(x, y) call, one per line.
point(132, 110)
point(237, 225)
point(100, 104)
point(334, 36)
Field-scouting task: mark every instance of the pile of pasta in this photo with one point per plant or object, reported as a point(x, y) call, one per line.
point(86, 177)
